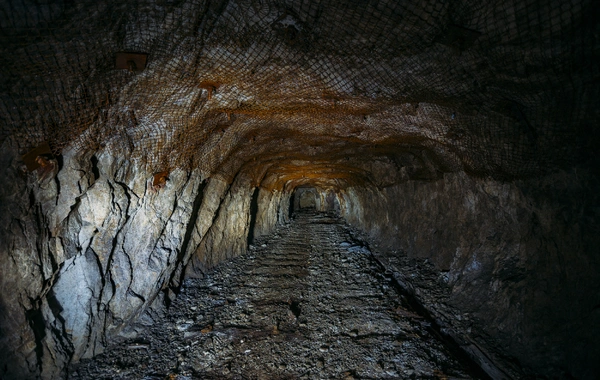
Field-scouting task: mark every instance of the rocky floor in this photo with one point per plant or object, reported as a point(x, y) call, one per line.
point(308, 302)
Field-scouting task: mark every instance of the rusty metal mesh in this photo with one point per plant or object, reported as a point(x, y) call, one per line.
point(498, 88)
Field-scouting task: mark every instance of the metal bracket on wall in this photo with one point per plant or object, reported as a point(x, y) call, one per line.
point(210, 87)
point(36, 158)
point(131, 61)
point(160, 179)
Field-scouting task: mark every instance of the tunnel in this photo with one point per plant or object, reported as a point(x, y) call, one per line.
point(311, 189)
point(306, 198)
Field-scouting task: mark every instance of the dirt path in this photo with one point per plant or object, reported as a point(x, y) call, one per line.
point(305, 303)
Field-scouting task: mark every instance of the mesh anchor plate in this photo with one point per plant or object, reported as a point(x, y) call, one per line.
point(160, 179)
point(210, 86)
point(34, 158)
point(131, 61)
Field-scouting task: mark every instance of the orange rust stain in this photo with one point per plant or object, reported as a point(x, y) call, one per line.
point(210, 86)
point(38, 157)
point(160, 179)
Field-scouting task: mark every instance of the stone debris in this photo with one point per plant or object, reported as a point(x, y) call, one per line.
point(303, 305)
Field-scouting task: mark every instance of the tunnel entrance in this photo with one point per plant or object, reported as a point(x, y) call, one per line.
point(306, 198)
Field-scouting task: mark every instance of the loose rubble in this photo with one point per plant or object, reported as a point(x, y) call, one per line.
point(308, 302)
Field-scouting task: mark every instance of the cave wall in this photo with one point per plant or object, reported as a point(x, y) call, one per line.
point(516, 261)
point(93, 246)
point(227, 235)
point(330, 201)
point(274, 210)
point(97, 246)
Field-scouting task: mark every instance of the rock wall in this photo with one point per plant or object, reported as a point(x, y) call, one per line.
point(273, 211)
point(227, 234)
point(92, 246)
point(515, 263)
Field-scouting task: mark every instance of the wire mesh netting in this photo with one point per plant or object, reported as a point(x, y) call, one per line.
point(506, 89)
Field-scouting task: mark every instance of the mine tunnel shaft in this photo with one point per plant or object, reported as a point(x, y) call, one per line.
point(311, 188)
point(309, 300)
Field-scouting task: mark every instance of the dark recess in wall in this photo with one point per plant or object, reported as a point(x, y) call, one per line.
point(186, 240)
point(253, 212)
point(291, 206)
point(95, 170)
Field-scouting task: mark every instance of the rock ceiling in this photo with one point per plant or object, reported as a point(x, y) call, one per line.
point(306, 91)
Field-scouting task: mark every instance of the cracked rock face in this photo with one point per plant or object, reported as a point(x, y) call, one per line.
point(89, 250)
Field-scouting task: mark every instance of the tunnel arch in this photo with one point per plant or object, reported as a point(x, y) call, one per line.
point(462, 142)
point(314, 197)
point(306, 198)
